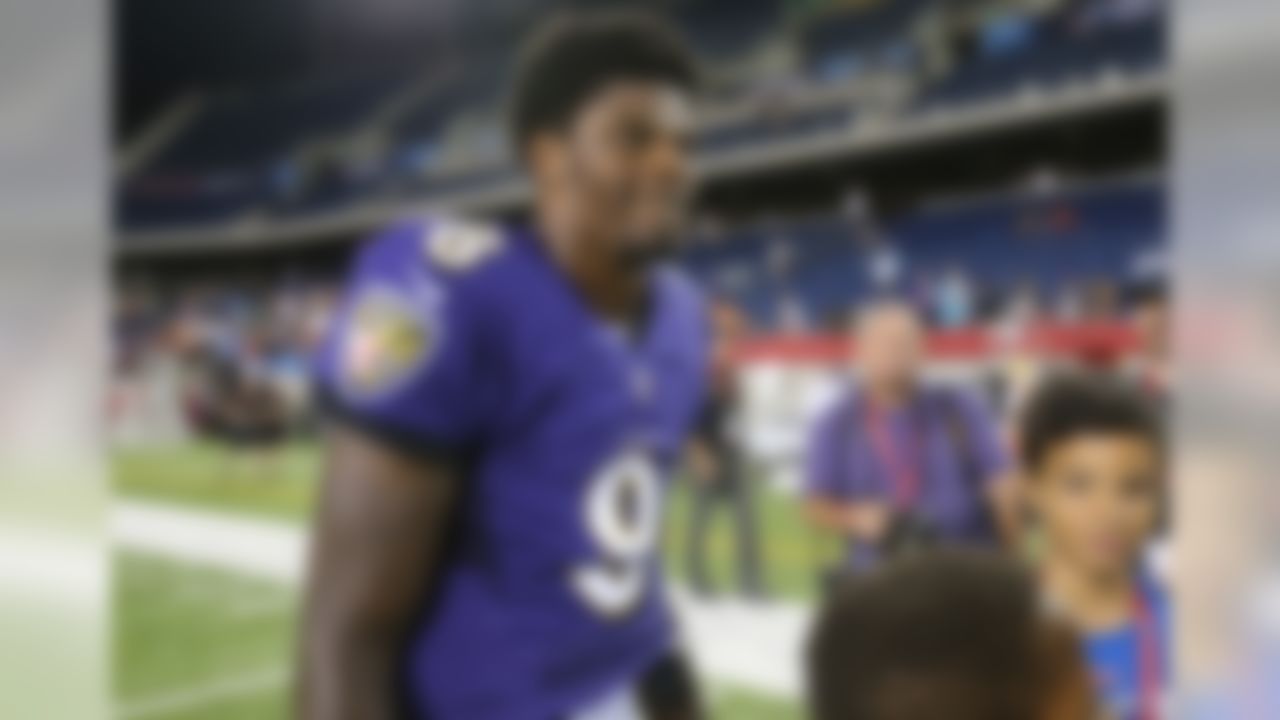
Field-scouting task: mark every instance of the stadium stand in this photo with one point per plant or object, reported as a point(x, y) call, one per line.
point(254, 153)
point(997, 163)
point(242, 149)
point(1057, 242)
point(1017, 53)
point(857, 39)
point(725, 30)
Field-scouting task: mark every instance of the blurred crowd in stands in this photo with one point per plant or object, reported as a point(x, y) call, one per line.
point(235, 348)
point(1038, 252)
point(235, 352)
point(778, 72)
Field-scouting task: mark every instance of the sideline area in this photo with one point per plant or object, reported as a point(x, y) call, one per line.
point(754, 646)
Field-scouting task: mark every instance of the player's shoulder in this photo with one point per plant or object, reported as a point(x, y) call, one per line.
point(675, 282)
point(456, 252)
point(415, 301)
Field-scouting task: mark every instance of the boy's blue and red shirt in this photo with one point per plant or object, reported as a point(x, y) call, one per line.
point(1130, 663)
point(465, 340)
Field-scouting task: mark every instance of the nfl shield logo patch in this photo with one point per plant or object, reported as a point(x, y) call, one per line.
point(387, 340)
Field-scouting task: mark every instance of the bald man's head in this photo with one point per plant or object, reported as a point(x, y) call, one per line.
point(890, 338)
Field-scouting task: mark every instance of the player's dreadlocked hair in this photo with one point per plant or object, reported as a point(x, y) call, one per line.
point(574, 57)
point(945, 634)
point(1077, 403)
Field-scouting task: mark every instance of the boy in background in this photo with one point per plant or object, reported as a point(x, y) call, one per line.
point(1092, 455)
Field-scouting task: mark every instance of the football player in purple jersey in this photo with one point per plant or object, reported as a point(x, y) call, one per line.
point(509, 404)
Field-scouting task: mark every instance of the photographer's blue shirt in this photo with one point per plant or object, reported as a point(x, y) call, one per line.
point(466, 341)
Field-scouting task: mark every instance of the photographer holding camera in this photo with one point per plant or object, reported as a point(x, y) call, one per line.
point(900, 462)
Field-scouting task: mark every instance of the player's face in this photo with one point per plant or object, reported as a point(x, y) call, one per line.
point(1098, 497)
point(627, 161)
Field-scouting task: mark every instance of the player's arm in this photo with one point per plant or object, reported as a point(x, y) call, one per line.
point(402, 373)
point(378, 540)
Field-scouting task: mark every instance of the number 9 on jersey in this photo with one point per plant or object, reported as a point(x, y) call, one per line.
point(623, 508)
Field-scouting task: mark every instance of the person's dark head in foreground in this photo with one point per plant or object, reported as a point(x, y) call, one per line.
point(945, 635)
point(601, 118)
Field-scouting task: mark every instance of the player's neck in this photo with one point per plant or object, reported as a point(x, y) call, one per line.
point(617, 294)
point(612, 290)
point(1095, 601)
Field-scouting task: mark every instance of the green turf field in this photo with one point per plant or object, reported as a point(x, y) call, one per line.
point(196, 644)
point(209, 476)
point(201, 644)
point(205, 476)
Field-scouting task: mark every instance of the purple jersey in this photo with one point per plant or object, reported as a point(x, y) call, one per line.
point(462, 339)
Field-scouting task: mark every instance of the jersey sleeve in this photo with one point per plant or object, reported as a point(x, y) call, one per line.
point(404, 358)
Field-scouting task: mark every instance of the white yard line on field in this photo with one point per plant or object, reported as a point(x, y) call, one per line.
point(750, 644)
point(269, 549)
point(755, 645)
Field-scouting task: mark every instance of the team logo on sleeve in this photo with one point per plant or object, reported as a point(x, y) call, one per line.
point(387, 339)
point(458, 246)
